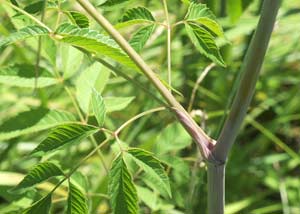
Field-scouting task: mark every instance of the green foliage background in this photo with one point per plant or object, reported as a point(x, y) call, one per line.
point(263, 168)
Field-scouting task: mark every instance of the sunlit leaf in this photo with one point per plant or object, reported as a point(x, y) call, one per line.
point(98, 107)
point(24, 33)
point(93, 42)
point(201, 14)
point(24, 75)
point(25, 123)
point(117, 103)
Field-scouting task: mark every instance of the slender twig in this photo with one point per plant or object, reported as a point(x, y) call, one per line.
point(39, 49)
point(169, 57)
point(67, 176)
point(125, 76)
point(137, 117)
point(204, 141)
point(196, 86)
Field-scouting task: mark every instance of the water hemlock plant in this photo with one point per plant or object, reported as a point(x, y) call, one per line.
point(77, 51)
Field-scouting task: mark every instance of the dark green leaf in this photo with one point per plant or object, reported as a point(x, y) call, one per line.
point(122, 192)
point(153, 169)
point(35, 7)
point(77, 202)
point(63, 135)
point(205, 43)
point(38, 174)
point(40, 207)
point(139, 13)
point(79, 19)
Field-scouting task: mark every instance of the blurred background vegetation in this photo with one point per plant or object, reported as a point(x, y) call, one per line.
point(263, 168)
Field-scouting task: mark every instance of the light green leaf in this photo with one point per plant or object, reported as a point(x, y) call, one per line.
point(201, 14)
point(64, 135)
point(122, 192)
point(25, 123)
point(139, 15)
point(24, 33)
point(95, 76)
point(93, 42)
point(78, 18)
point(23, 75)
point(204, 42)
point(234, 9)
point(117, 103)
point(77, 202)
point(71, 59)
point(172, 138)
point(98, 107)
point(41, 206)
point(153, 169)
point(41, 172)
point(140, 38)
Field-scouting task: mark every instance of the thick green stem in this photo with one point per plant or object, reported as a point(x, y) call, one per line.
point(203, 140)
point(250, 72)
point(216, 188)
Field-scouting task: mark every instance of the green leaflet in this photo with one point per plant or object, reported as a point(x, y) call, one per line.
point(153, 169)
point(23, 75)
point(38, 174)
point(122, 192)
point(77, 201)
point(78, 18)
point(204, 42)
point(140, 38)
point(95, 76)
point(93, 42)
point(110, 3)
point(24, 33)
point(197, 10)
point(63, 135)
point(98, 107)
point(172, 138)
point(40, 207)
point(138, 13)
point(25, 123)
point(117, 103)
point(71, 59)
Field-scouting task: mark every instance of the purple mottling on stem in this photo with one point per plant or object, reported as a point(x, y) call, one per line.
point(204, 144)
